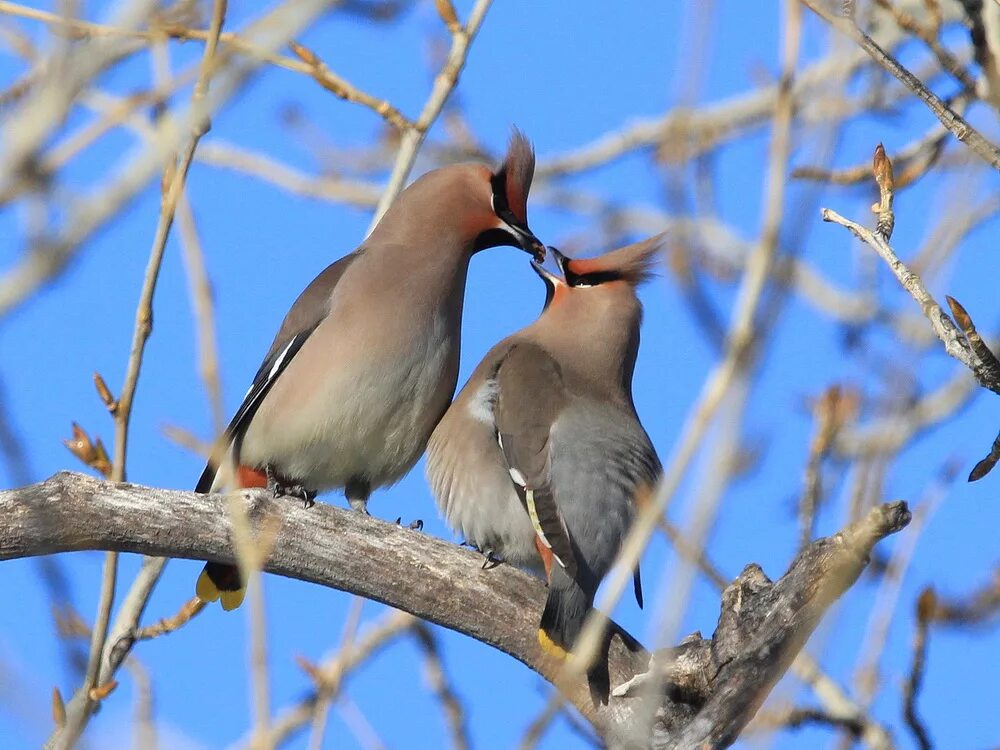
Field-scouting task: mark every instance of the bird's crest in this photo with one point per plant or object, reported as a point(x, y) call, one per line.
point(515, 173)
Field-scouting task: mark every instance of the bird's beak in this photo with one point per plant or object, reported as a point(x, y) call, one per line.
point(544, 273)
point(560, 260)
point(526, 239)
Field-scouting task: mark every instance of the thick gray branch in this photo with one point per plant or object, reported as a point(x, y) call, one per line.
point(761, 627)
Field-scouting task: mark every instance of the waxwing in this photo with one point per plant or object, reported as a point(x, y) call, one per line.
point(366, 361)
point(541, 460)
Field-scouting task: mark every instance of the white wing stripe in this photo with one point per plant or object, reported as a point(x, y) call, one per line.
point(276, 367)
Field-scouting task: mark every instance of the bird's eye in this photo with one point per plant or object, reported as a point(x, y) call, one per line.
point(586, 280)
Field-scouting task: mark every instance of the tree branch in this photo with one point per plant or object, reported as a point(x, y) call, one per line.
point(959, 127)
point(712, 689)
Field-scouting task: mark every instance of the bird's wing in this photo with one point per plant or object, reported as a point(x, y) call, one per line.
point(308, 311)
point(530, 394)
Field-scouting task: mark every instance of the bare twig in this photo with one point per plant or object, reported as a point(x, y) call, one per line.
point(77, 719)
point(975, 609)
point(442, 688)
point(886, 435)
point(341, 88)
point(890, 588)
point(189, 610)
point(952, 338)
point(912, 161)
point(738, 344)
point(924, 609)
point(328, 689)
point(49, 254)
point(200, 291)
point(928, 34)
point(333, 671)
point(832, 409)
point(145, 724)
point(948, 117)
point(413, 136)
point(217, 153)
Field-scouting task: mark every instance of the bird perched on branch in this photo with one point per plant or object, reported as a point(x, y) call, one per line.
point(541, 459)
point(366, 361)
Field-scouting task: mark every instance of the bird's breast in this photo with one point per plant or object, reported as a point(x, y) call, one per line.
point(360, 405)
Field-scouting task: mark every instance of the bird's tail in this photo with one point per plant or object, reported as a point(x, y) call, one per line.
point(566, 608)
point(220, 581)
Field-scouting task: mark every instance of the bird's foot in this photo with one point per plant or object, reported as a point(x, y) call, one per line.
point(490, 560)
point(417, 525)
point(280, 488)
point(359, 504)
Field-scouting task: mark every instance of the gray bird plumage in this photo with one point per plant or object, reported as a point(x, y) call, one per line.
point(366, 361)
point(542, 454)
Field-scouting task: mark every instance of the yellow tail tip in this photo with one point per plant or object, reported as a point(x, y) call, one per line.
point(207, 591)
point(550, 647)
point(232, 599)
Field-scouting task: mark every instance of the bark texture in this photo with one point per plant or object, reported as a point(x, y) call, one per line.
point(700, 694)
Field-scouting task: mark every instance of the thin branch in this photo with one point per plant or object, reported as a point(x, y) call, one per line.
point(332, 671)
point(325, 187)
point(307, 62)
point(711, 125)
point(80, 713)
point(801, 717)
point(976, 609)
point(145, 723)
point(739, 342)
point(47, 257)
point(442, 688)
point(191, 609)
point(328, 690)
point(886, 435)
point(200, 292)
point(948, 117)
point(413, 137)
point(344, 90)
point(929, 35)
point(924, 609)
point(952, 338)
point(913, 160)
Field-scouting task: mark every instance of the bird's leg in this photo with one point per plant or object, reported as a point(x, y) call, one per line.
point(491, 560)
point(357, 491)
point(279, 488)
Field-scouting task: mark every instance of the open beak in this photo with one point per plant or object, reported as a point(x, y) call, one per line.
point(560, 259)
point(546, 274)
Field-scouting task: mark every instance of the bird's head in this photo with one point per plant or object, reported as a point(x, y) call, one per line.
point(592, 313)
point(614, 274)
point(471, 205)
point(509, 186)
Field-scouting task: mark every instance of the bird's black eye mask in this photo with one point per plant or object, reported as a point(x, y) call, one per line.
point(516, 232)
point(501, 206)
point(590, 279)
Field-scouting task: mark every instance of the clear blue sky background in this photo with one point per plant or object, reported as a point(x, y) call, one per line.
point(565, 73)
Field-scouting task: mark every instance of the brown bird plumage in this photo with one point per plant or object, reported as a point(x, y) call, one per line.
point(366, 361)
point(541, 458)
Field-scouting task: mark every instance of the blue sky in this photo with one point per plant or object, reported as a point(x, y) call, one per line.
point(565, 77)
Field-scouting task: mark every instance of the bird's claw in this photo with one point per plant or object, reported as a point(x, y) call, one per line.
point(417, 525)
point(490, 560)
point(279, 489)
